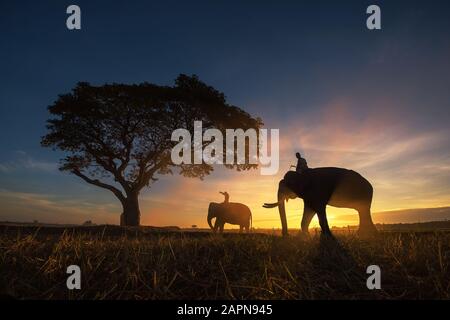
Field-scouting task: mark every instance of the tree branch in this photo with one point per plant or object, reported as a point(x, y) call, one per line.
point(109, 167)
point(149, 172)
point(100, 184)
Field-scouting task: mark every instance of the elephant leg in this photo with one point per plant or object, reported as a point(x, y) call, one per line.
point(221, 227)
point(322, 214)
point(366, 226)
point(241, 228)
point(216, 225)
point(308, 214)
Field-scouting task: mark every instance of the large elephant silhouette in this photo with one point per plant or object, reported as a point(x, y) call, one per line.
point(319, 187)
point(230, 212)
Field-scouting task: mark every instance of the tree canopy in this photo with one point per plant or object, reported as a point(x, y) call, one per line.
point(118, 137)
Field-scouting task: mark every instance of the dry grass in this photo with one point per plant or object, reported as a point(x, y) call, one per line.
point(185, 265)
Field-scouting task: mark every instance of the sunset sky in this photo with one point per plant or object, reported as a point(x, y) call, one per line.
point(373, 101)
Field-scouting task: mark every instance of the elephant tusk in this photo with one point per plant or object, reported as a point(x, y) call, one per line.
point(270, 205)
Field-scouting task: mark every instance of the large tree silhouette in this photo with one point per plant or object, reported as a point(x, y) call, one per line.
point(118, 137)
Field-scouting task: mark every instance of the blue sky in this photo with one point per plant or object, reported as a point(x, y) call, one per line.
point(373, 101)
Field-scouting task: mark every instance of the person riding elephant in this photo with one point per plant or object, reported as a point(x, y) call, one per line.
point(229, 212)
point(319, 187)
point(302, 165)
point(226, 195)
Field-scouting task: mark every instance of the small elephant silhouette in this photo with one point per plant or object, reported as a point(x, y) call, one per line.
point(230, 212)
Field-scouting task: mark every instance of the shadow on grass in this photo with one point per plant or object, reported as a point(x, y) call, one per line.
point(337, 269)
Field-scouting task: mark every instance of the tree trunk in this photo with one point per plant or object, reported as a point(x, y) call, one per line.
point(131, 215)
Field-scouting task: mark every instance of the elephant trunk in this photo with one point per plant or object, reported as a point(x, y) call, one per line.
point(281, 207)
point(210, 216)
point(209, 222)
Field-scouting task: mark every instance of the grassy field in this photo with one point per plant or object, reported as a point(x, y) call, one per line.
point(121, 263)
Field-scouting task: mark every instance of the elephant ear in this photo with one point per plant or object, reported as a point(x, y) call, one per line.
point(307, 182)
point(219, 208)
point(300, 183)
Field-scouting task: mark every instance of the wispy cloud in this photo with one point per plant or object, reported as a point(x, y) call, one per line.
point(408, 165)
point(23, 206)
point(23, 161)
